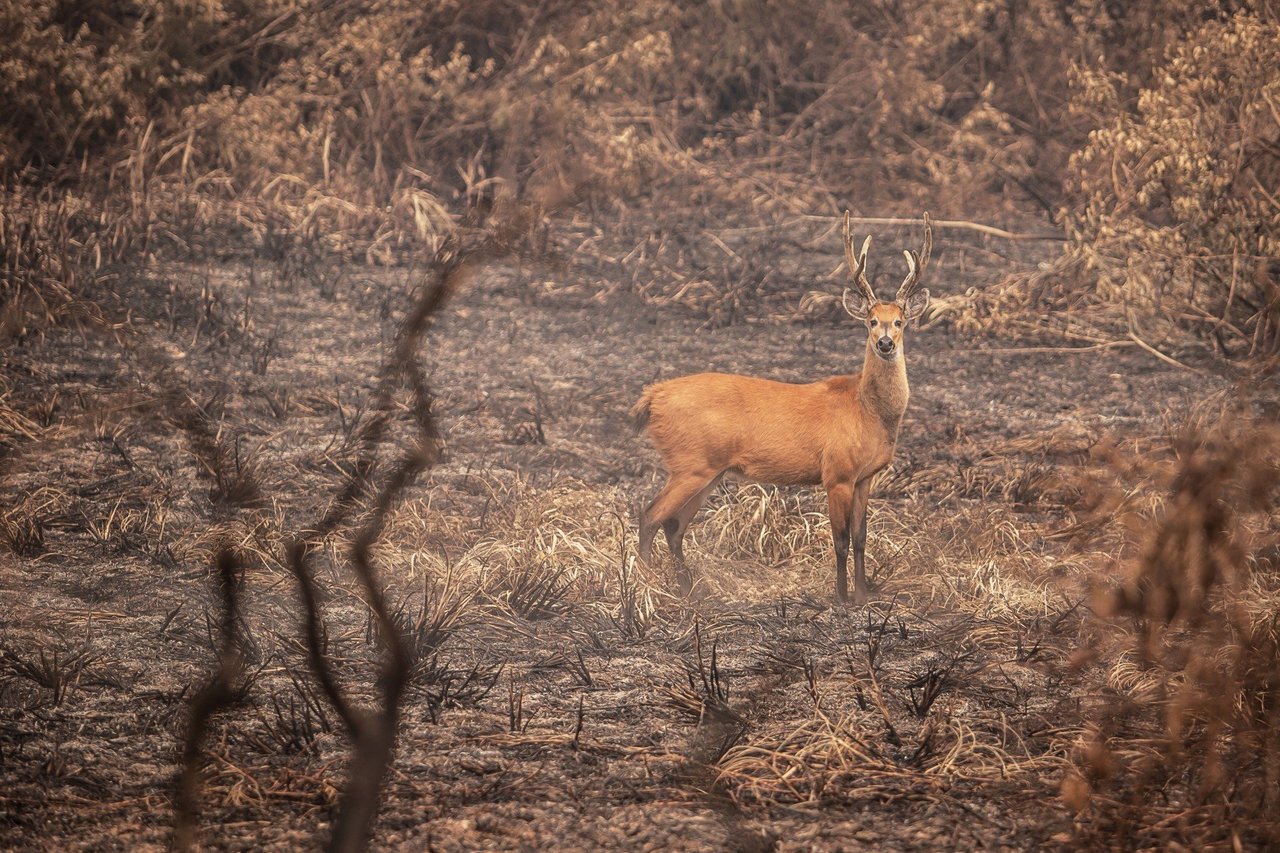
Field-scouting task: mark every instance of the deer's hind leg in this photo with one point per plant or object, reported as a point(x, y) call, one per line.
point(672, 510)
point(676, 527)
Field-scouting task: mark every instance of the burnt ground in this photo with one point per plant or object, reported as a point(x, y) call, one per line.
point(570, 701)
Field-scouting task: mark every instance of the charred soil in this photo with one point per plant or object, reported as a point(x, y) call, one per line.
point(562, 696)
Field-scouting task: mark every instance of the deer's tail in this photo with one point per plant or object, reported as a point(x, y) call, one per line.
point(640, 411)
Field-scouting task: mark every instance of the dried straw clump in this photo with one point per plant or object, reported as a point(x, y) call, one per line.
point(856, 759)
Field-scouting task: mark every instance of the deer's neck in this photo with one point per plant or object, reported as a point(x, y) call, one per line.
point(884, 390)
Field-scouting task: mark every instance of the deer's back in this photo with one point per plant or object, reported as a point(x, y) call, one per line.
point(773, 432)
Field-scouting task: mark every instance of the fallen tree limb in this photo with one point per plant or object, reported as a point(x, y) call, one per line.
point(957, 224)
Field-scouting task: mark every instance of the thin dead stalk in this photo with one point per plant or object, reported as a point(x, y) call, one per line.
point(214, 696)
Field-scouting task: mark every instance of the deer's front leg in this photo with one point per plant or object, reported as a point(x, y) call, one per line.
point(861, 497)
point(840, 509)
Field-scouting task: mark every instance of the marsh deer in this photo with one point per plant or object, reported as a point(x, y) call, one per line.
point(839, 431)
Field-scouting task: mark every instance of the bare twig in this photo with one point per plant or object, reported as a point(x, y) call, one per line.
point(1044, 350)
point(954, 224)
point(1167, 359)
point(375, 733)
point(214, 696)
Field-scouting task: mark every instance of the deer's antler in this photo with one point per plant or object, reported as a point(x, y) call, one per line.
point(857, 265)
point(916, 264)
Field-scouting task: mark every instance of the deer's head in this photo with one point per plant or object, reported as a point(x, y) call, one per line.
point(886, 321)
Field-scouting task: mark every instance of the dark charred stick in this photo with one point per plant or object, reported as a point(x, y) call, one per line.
point(214, 696)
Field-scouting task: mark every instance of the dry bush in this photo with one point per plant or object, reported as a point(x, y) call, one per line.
point(1177, 203)
point(1183, 744)
point(1168, 200)
point(916, 102)
point(77, 74)
point(371, 128)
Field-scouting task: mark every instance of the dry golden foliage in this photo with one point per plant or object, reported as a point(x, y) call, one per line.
point(1177, 192)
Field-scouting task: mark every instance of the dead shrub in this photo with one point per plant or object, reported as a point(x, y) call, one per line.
point(55, 669)
point(369, 129)
point(1183, 746)
point(1175, 190)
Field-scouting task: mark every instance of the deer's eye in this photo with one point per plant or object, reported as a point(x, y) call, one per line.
point(875, 323)
point(897, 323)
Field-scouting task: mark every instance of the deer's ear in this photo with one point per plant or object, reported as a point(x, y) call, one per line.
point(916, 303)
point(856, 304)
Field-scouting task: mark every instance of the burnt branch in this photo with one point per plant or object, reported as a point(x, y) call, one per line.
point(373, 733)
point(217, 694)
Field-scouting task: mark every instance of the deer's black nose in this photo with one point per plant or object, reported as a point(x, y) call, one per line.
point(885, 344)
